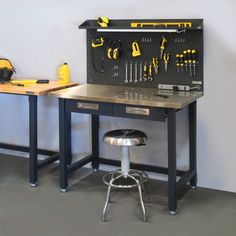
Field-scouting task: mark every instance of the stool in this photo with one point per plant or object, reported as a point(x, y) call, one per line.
point(132, 178)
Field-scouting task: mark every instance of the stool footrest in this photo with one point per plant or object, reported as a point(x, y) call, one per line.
point(136, 176)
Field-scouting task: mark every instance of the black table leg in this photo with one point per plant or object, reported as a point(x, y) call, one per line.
point(33, 141)
point(95, 141)
point(192, 142)
point(64, 143)
point(172, 186)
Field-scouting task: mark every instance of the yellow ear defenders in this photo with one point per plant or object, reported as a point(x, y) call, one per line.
point(103, 21)
point(114, 50)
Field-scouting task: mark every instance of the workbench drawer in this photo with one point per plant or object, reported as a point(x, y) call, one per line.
point(139, 112)
point(95, 108)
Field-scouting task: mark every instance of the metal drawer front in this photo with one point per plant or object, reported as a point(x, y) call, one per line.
point(138, 111)
point(87, 107)
point(90, 106)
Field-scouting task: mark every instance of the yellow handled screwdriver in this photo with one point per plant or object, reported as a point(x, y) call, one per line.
point(185, 60)
point(177, 62)
point(28, 82)
point(189, 53)
point(194, 61)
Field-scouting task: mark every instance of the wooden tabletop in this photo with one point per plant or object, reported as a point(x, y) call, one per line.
point(34, 89)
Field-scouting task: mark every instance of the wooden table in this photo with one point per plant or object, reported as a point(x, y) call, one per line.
point(33, 91)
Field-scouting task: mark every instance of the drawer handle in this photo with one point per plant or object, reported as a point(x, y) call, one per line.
point(138, 111)
point(90, 106)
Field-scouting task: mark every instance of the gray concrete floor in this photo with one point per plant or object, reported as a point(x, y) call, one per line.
point(45, 211)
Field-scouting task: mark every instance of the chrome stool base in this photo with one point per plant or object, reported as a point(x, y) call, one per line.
point(137, 179)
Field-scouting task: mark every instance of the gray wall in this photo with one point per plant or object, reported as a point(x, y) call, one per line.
point(39, 35)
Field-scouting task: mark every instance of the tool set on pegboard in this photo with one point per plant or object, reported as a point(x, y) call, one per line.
point(164, 54)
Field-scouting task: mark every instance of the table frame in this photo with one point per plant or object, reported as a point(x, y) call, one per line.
point(175, 188)
point(34, 164)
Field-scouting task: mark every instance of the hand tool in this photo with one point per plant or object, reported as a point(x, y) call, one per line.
point(181, 60)
point(183, 24)
point(136, 72)
point(131, 72)
point(150, 72)
point(140, 72)
point(126, 73)
point(176, 87)
point(103, 21)
point(194, 61)
point(27, 82)
point(145, 71)
point(177, 62)
point(155, 64)
point(163, 46)
point(185, 60)
point(189, 53)
point(98, 42)
point(136, 49)
point(114, 49)
point(166, 58)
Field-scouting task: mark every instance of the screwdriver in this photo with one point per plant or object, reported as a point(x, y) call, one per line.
point(194, 61)
point(163, 46)
point(150, 71)
point(189, 54)
point(145, 71)
point(181, 60)
point(177, 62)
point(185, 60)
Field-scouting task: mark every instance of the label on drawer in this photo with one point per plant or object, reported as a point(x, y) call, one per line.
point(138, 111)
point(86, 105)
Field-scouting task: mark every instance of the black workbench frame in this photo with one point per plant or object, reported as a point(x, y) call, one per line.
point(174, 187)
point(34, 164)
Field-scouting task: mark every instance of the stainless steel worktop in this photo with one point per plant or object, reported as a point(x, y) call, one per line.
point(129, 95)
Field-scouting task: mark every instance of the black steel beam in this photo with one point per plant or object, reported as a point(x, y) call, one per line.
point(48, 161)
point(185, 178)
point(26, 149)
point(172, 186)
point(144, 167)
point(76, 165)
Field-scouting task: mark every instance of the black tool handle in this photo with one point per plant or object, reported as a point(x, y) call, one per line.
point(42, 81)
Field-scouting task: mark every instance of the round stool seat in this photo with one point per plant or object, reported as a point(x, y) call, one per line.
point(125, 137)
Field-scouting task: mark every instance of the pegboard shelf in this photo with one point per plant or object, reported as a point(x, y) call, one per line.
point(139, 71)
point(125, 25)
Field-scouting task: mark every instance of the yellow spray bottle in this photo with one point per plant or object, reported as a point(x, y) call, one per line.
point(63, 75)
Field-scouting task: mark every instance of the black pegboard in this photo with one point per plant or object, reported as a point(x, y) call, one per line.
point(115, 71)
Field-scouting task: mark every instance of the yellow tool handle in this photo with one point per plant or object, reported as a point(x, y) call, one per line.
point(23, 81)
point(150, 70)
point(163, 43)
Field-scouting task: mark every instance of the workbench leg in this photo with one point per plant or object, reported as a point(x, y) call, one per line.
point(95, 141)
point(193, 142)
point(172, 188)
point(33, 141)
point(64, 142)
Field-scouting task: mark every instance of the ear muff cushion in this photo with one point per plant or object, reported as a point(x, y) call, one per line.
point(116, 53)
point(110, 53)
point(5, 74)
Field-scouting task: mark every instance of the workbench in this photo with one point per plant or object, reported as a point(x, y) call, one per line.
point(33, 91)
point(134, 103)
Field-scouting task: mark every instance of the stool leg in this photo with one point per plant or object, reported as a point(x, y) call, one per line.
point(142, 204)
point(106, 204)
point(140, 196)
point(125, 161)
point(145, 195)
